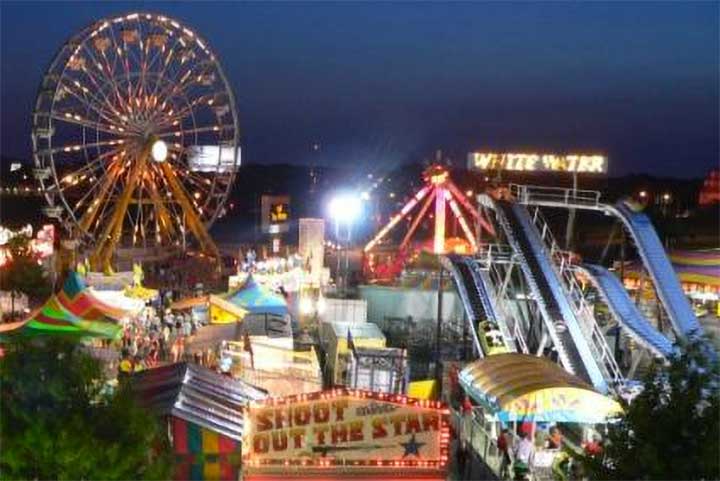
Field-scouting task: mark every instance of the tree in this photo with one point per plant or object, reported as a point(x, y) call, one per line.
point(23, 273)
point(58, 422)
point(671, 430)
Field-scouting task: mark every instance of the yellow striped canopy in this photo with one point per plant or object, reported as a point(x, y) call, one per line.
point(519, 387)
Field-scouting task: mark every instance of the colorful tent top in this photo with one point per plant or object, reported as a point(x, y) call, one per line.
point(221, 311)
point(53, 319)
point(197, 395)
point(257, 299)
point(692, 267)
point(519, 387)
point(78, 299)
point(701, 267)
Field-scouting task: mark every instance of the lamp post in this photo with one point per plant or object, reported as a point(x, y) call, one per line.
point(344, 209)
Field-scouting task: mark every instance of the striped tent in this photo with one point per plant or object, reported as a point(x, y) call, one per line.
point(257, 299)
point(53, 319)
point(696, 269)
point(78, 299)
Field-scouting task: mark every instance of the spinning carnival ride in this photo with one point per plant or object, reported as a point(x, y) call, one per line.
point(440, 189)
point(135, 136)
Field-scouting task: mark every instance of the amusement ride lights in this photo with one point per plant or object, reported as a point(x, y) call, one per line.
point(135, 135)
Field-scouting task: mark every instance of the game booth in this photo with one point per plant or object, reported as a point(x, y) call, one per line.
point(205, 413)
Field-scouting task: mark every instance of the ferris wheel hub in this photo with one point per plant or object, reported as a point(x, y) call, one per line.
point(159, 151)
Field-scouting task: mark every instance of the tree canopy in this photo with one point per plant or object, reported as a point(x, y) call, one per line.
point(58, 422)
point(671, 430)
point(23, 273)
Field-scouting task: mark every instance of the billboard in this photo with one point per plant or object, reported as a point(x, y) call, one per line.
point(275, 213)
point(534, 162)
point(212, 158)
point(351, 430)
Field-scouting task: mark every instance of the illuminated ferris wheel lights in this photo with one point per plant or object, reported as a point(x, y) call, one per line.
point(159, 151)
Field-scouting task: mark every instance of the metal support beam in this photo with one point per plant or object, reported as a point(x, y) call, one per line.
point(91, 213)
point(111, 234)
point(416, 221)
point(193, 220)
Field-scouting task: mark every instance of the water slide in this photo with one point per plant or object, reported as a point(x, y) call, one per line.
point(625, 312)
point(658, 265)
point(475, 297)
point(546, 286)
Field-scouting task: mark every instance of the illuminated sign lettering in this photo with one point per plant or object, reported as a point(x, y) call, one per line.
point(579, 163)
point(354, 429)
point(278, 213)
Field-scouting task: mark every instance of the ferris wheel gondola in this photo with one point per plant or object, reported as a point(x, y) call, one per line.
point(135, 135)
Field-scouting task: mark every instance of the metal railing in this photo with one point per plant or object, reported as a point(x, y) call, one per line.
point(479, 439)
point(535, 194)
point(563, 265)
point(497, 287)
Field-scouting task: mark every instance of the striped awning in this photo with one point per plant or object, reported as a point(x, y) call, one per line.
point(520, 387)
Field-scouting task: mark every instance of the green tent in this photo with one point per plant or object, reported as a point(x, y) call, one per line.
point(53, 319)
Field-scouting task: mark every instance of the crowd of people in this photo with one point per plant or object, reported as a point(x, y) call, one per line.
point(519, 452)
point(155, 336)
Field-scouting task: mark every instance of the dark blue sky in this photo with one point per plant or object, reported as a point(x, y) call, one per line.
point(378, 84)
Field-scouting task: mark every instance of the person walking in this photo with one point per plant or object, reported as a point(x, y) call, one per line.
point(503, 444)
point(524, 456)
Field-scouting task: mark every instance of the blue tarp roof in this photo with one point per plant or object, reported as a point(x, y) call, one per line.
point(257, 299)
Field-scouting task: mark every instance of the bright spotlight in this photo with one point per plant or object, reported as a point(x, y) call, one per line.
point(159, 151)
point(345, 208)
point(306, 305)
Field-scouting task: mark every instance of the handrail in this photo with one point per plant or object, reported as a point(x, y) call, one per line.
point(480, 440)
point(529, 194)
point(562, 263)
point(487, 260)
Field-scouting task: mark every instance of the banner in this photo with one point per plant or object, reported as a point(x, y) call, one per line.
point(352, 429)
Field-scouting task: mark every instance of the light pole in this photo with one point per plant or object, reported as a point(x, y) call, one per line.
point(344, 209)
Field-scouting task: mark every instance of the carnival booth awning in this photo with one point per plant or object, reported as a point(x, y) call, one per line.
point(221, 310)
point(197, 395)
point(258, 299)
point(519, 387)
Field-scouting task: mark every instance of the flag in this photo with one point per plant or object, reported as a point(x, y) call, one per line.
point(350, 343)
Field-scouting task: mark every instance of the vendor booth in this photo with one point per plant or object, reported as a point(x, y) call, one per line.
point(519, 390)
point(220, 311)
point(205, 412)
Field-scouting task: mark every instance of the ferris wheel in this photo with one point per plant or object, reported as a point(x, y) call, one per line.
point(135, 136)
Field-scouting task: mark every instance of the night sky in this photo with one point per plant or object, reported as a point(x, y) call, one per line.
point(380, 84)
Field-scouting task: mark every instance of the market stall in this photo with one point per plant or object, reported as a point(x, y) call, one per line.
point(205, 412)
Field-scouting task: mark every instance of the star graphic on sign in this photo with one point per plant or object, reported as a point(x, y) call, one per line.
point(412, 447)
